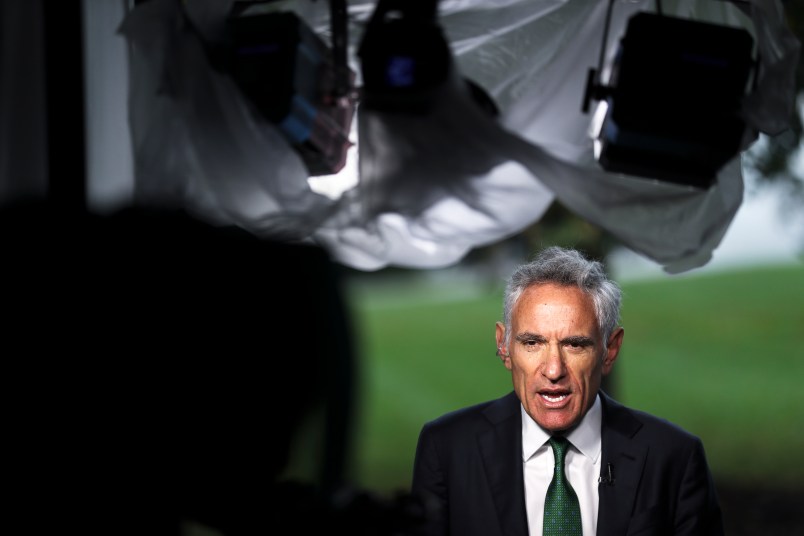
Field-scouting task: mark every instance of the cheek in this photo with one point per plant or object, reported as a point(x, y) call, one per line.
point(585, 372)
point(525, 367)
point(523, 371)
point(590, 375)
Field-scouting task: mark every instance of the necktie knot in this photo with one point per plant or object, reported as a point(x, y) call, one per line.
point(559, 445)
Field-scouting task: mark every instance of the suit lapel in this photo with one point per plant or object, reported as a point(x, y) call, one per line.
point(501, 451)
point(627, 459)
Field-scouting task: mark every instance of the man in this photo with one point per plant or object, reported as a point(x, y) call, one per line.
point(486, 469)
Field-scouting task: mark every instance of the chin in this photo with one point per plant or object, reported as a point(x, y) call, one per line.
point(557, 425)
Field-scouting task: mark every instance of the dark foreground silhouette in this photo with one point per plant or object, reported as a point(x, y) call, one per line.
point(156, 371)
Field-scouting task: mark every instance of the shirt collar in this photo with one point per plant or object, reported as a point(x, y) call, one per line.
point(585, 437)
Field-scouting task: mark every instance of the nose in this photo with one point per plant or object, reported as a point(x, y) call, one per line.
point(554, 367)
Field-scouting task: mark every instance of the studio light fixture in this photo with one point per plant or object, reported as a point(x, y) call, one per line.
point(404, 56)
point(422, 190)
point(672, 107)
point(295, 80)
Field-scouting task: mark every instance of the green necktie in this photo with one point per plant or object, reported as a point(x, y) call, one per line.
point(562, 514)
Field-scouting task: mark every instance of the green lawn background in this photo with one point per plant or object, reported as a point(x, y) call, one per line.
point(720, 354)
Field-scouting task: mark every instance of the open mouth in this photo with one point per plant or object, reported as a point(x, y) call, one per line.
point(554, 397)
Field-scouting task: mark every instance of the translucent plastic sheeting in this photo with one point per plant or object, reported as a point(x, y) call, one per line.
point(422, 191)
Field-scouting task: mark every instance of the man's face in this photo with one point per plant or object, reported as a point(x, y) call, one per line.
point(556, 356)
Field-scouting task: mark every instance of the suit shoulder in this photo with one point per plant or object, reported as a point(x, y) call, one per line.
point(659, 429)
point(662, 429)
point(460, 415)
point(475, 417)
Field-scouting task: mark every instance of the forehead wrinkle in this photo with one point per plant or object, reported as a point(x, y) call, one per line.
point(563, 312)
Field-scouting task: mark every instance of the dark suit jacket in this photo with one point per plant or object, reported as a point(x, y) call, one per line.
point(468, 472)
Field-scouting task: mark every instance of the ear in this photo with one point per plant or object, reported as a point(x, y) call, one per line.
point(502, 349)
point(613, 349)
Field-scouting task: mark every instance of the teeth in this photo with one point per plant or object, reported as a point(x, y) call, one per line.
point(554, 398)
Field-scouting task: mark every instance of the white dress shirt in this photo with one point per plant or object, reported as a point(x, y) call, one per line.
point(582, 467)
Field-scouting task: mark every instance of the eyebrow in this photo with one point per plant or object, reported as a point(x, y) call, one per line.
point(532, 337)
point(574, 340)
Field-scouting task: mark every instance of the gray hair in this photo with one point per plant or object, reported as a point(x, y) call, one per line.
point(567, 267)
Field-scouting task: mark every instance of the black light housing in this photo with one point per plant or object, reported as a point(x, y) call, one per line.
point(296, 81)
point(674, 99)
point(404, 56)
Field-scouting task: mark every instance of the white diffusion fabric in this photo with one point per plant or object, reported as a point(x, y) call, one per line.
point(533, 58)
point(197, 142)
point(424, 190)
point(431, 188)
